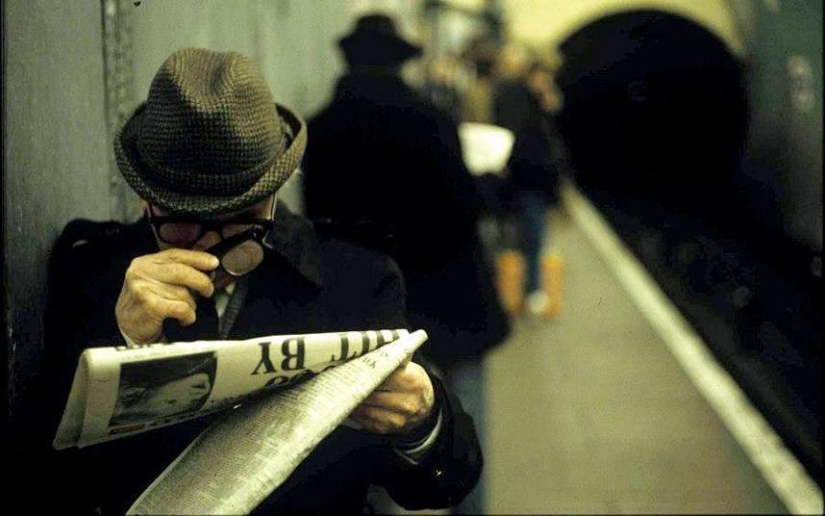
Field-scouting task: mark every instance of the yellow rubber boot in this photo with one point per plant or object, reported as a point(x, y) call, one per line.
point(553, 272)
point(510, 271)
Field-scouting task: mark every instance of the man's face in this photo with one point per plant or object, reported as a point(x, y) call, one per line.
point(180, 235)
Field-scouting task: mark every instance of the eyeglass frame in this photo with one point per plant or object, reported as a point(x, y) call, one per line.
point(207, 225)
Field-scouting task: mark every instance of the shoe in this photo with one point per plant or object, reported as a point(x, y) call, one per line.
point(537, 303)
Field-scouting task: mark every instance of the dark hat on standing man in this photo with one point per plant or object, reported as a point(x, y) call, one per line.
point(376, 41)
point(209, 139)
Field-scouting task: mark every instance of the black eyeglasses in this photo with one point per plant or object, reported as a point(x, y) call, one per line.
point(184, 231)
point(241, 248)
point(240, 253)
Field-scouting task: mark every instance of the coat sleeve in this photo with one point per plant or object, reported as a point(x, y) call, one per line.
point(79, 314)
point(451, 468)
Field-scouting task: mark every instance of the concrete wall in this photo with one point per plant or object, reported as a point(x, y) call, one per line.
point(785, 137)
point(54, 154)
point(293, 41)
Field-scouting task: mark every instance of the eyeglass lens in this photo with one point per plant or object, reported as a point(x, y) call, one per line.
point(179, 232)
point(243, 257)
point(185, 233)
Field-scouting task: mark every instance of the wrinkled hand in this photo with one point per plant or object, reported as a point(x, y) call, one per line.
point(160, 286)
point(398, 405)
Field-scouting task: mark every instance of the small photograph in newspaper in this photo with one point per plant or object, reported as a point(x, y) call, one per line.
point(155, 389)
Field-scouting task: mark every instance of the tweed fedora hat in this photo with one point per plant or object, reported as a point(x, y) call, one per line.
point(376, 41)
point(209, 139)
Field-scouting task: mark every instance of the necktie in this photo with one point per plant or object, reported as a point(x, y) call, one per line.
point(205, 326)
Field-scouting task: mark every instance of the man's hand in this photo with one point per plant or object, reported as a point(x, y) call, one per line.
point(398, 405)
point(160, 286)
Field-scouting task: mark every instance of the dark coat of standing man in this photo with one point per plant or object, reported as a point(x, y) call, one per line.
point(207, 153)
point(385, 164)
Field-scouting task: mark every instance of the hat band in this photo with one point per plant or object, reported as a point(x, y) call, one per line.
point(201, 183)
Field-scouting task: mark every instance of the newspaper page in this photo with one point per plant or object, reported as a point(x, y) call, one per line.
point(120, 391)
point(252, 450)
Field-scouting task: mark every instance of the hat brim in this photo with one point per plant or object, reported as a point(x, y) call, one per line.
point(138, 175)
point(377, 48)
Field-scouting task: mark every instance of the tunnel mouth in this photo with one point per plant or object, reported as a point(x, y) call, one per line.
point(654, 107)
point(656, 122)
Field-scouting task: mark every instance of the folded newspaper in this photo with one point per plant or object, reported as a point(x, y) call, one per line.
point(127, 390)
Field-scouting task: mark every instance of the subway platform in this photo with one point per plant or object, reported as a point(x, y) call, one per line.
point(616, 406)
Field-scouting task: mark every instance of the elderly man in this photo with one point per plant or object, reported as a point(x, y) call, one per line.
point(217, 256)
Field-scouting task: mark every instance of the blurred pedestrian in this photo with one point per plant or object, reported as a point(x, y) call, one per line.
point(528, 105)
point(477, 104)
point(385, 165)
point(441, 85)
point(511, 104)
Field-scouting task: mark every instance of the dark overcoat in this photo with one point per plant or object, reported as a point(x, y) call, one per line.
point(308, 283)
point(383, 160)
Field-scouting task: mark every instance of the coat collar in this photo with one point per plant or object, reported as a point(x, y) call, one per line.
point(293, 238)
point(372, 87)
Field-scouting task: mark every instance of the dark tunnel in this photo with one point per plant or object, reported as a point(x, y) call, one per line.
point(657, 120)
point(655, 110)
